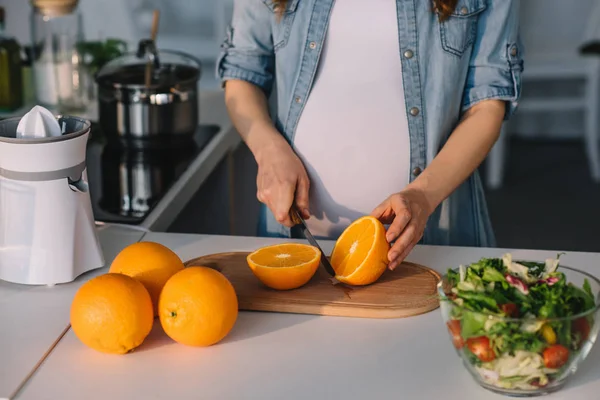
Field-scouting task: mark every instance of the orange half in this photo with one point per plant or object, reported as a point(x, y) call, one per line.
point(359, 256)
point(285, 266)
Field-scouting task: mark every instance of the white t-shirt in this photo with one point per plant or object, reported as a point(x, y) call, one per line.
point(353, 132)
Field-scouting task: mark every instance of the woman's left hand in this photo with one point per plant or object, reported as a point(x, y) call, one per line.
point(406, 212)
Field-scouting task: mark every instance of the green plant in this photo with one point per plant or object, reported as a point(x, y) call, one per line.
point(97, 53)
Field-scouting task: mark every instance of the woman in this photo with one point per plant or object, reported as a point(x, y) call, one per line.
point(381, 107)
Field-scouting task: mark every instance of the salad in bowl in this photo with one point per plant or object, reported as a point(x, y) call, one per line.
point(520, 327)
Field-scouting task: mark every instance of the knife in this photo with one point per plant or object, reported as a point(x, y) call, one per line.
point(298, 220)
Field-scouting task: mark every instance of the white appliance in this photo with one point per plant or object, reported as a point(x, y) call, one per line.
point(47, 228)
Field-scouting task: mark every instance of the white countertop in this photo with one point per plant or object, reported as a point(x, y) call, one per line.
point(33, 317)
point(279, 356)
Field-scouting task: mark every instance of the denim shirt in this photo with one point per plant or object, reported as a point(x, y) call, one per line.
point(447, 67)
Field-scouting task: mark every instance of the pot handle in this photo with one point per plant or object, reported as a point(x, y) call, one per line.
point(147, 49)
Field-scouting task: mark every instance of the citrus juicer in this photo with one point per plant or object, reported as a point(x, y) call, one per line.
point(47, 228)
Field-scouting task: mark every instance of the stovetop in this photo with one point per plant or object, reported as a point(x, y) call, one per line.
point(127, 183)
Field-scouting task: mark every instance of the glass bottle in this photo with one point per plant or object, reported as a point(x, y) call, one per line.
point(56, 30)
point(27, 63)
point(11, 81)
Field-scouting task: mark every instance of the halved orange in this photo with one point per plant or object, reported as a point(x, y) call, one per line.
point(359, 256)
point(285, 266)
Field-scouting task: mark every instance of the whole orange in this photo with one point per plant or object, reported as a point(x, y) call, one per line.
point(112, 313)
point(150, 263)
point(198, 306)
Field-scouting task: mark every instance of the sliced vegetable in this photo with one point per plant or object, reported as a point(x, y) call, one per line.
point(480, 300)
point(472, 324)
point(548, 334)
point(587, 288)
point(481, 347)
point(454, 329)
point(537, 382)
point(519, 270)
point(555, 356)
point(517, 283)
point(551, 280)
point(510, 310)
point(492, 275)
point(581, 329)
point(551, 265)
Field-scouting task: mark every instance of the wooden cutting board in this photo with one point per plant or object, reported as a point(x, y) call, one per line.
point(408, 290)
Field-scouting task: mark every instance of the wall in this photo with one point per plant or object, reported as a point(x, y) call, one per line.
point(551, 30)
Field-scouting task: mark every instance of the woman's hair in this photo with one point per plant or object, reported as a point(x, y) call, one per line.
point(443, 7)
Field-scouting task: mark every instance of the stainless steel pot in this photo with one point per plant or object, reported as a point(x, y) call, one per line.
point(144, 114)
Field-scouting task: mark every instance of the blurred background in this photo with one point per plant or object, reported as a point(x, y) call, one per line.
point(542, 178)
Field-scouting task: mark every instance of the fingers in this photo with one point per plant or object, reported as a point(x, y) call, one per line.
point(398, 248)
point(259, 193)
point(380, 209)
point(402, 217)
point(302, 190)
point(278, 198)
point(281, 181)
point(404, 245)
point(384, 212)
point(282, 203)
point(392, 265)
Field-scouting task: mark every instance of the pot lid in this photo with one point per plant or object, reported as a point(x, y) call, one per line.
point(167, 68)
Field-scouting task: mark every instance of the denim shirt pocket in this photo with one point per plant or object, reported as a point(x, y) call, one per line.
point(282, 24)
point(459, 30)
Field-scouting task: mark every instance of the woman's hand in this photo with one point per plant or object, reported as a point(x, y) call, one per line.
point(406, 212)
point(282, 181)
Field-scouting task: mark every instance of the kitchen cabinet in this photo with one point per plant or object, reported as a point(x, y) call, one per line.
point(226, 203)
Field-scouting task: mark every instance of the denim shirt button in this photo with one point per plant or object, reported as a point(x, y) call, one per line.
point(298, 99)
point(312, 45)
point(464, 10)
point(417, 171)
point(408, 54)
point(414, 111)
point(513, 51)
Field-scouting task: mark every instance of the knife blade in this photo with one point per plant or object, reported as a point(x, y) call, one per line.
point(298, 220)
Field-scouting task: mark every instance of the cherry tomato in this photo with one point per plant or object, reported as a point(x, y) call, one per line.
point(510, 309)
point(481, 347)
point(581, 326)
point(454, 329)
point(555, 356)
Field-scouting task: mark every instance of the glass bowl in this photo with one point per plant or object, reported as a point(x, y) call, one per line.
point(521, 356)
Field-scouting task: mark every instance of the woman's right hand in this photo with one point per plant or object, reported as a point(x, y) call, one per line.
point(282, 181)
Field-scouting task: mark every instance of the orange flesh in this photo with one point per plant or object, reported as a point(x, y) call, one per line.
point(357, 244)
point(284, 266)
point(283, 256)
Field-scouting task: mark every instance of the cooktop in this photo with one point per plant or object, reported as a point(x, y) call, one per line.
point(127, 183)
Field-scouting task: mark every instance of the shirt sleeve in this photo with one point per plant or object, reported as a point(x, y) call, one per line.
point(496, 62)
point(247, 53)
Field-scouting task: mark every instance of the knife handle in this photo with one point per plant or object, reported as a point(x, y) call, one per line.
point(295, 215)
